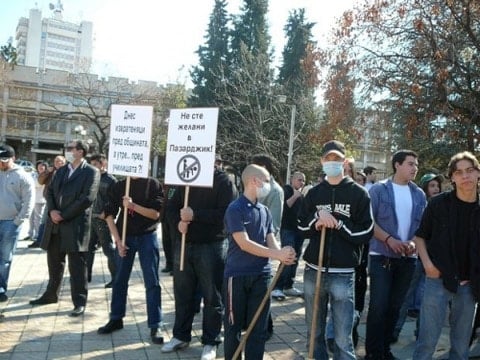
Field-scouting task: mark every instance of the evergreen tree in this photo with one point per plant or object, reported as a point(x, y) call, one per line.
point(294, 74)
point(298, 79)
point(247, 88)
point(251, 29)
point(213, 59)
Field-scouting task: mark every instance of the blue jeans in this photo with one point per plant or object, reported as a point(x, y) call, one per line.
point(202, 269)
point(148, 253)
point(293, 238)
point(339, 290)
point(389, 282)
point(243, 295)
point(436, 300)
point(9, 233)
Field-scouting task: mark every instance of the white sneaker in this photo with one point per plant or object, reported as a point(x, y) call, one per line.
point(209, 352)
point(293, 292)
point(278, 294)
point(173, 345)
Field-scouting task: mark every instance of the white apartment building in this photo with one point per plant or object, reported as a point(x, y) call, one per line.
point(51, 43)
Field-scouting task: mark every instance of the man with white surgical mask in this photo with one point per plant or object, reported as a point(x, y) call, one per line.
point(70, 195)
point(341, 206)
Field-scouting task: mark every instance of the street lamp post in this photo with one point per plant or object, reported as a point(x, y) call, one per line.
point(283, 99)
point(290, 143)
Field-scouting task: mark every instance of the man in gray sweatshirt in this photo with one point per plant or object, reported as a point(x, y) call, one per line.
point(17, 191)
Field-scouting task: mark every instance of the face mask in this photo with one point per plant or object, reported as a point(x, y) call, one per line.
point(69, 156)
point(332, 168)
point(263, 191)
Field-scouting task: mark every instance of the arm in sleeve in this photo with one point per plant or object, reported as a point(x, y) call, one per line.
point(224, 194)
point(307, 216)
point(174, 204)
point(88, 193)
point(276, 209)
point(27, 188)
point(358, 229)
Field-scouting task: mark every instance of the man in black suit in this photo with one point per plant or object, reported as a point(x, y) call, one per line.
point(67, 230)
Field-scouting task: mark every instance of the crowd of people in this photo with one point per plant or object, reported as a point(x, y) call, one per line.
point(418, 245)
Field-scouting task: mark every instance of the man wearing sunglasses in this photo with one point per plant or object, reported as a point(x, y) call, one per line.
point(67, 230)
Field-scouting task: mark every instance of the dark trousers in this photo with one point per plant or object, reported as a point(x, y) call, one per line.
point(100, 235)
point(77, 266)
point(243, 296)
point(168, 237)
point(203, 268)
point(389, 282)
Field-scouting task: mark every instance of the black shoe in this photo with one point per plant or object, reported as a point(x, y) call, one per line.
point(77, 311)
point(43, 300)
point(167, 269)
point(156, 336)
point(3, 297)
point(111, 326)
point(109, 285)
point(34, 245)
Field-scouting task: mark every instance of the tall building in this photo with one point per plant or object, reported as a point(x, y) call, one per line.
point(51, 43)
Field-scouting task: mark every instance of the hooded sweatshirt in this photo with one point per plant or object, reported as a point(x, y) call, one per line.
point(349, 203)
point(17, 191)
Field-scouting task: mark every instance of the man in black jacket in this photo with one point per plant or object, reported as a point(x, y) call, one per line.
point(67, 230)
point(100, 234)
point(202, 223)
point(448, 243)
point(142, 206)
point(343, 207)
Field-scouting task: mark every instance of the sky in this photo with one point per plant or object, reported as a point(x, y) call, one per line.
point(156, 40)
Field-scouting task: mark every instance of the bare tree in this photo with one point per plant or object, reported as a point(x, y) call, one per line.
point(418, 61)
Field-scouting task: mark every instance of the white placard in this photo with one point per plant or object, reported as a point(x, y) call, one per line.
point(130, 140)
point(190, 155)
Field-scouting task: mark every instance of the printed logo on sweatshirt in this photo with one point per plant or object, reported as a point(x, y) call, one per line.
point(342, 209)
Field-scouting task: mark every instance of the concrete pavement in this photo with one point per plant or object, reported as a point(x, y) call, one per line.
point(47, 332)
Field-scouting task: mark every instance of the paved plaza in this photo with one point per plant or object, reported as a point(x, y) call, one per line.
point(47, 332)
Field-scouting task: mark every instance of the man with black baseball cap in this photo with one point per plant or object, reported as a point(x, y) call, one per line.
point(17, 193)
point(342, 207)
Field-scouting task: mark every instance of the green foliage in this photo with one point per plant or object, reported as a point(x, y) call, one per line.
point(9, 54)
point(214, 59)
point(235, 73)
point(250, 29)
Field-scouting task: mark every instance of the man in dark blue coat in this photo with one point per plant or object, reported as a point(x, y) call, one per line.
point(67, 230)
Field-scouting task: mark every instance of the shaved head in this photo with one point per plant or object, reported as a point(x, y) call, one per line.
point(252, 171)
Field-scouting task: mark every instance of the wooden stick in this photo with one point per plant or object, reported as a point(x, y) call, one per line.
point(125, 212)
point(318, 282)
point(182, 248)
point(259, 311)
